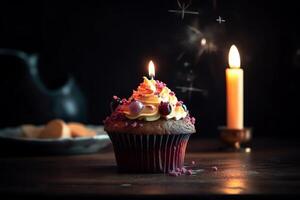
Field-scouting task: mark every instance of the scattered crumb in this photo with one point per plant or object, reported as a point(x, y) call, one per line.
point(183, 171)
point(214, 168)
point(173, 173)
point(189, 172)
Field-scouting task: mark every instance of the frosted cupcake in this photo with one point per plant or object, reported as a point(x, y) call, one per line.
point(149, 130)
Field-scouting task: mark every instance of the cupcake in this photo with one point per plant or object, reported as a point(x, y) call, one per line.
point(149, 130)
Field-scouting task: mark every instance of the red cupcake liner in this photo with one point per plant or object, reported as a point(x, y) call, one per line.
point(149, 153)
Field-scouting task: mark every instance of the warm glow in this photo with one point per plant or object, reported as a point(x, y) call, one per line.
point(203, 42)
point(237, 176)
point(234, 57)
point(234, 186)
point(151, 69)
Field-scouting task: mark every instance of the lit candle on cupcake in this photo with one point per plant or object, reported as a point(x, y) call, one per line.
point(150, 129)
point(151, 69)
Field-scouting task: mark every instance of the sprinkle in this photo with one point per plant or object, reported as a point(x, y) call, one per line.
point(214, 168)
point(115, 97)
point(173, 173)
point(184, 107)
point(172, 93)
point(183, 170)
point(193, 162)
point(160, 84)
point(189, 172)
point(134, 124)
point(125, 101)
point(178, 104)
point(193, 120)
point(141, 125)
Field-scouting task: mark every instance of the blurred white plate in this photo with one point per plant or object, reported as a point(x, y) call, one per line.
point(13, 141)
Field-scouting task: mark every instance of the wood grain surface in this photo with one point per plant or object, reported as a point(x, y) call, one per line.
point(271, 170)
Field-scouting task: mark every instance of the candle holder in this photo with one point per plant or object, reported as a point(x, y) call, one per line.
point(233, 138)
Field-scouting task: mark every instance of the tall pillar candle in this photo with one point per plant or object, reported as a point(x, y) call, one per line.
point(235, 90)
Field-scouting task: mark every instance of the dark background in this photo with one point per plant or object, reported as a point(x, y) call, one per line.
point(106, 45)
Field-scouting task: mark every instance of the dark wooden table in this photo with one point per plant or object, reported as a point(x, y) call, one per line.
point(271, 170)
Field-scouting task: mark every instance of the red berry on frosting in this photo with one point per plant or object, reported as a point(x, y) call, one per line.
point(165, 108)
point(136, 107)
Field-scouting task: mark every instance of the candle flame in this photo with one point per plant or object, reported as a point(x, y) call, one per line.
point(151, 69)
point(234, 57)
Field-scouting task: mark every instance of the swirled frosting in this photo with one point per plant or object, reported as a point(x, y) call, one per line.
point(150, 95)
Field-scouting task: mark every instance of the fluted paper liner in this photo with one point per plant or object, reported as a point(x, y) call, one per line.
point(149, 153)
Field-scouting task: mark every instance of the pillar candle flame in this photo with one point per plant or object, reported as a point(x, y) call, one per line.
point(151, 69)
point(234, 57)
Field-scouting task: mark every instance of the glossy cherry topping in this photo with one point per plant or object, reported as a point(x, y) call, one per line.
point(165, 108)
